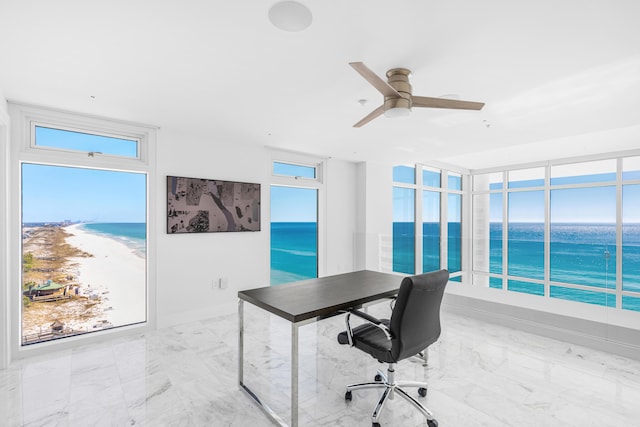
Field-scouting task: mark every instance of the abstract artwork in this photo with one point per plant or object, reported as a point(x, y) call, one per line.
point(196, 205)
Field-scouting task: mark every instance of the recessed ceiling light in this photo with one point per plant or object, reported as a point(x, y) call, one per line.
point(290, 16)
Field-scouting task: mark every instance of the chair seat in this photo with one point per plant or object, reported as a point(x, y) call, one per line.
point(370, 339)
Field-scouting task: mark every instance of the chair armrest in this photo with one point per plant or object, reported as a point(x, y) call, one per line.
point(366, 316)
point(372, 320)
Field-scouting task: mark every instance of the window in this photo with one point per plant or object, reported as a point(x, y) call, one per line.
point(631, 168)
point(294, 170)
point(583, 236)
point(76, 223)
point(294, 221)
point(404, 174)
point(564, 239)
point(404, 230)
point(526, 234)
point(430, 177)
point(584, 172)
point(47, 137)
point(526, 178)
point(84, 210)
point(436, 192)
point(430, 231)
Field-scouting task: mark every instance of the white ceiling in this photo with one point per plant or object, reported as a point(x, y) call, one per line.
point(558, 78)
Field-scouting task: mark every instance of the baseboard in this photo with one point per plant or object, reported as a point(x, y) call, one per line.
point(600, 336)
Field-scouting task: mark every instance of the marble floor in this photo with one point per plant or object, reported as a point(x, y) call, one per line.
point(480, 374)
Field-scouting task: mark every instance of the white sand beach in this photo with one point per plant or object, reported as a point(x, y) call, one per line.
point(114, 273)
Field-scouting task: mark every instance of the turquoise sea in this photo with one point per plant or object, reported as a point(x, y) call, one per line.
point(132, 234)
point(580, 253)
point(294, 254)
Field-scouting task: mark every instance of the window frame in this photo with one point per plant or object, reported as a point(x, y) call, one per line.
point(24, 118)
point(317, 183)
point(444, 191)
point(34, 146)
point(312, 163)
point(547, 187)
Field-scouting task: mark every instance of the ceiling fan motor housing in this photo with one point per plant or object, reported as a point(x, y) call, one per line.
point(398, 78)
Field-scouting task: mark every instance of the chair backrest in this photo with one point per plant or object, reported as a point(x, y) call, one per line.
point(415, 320)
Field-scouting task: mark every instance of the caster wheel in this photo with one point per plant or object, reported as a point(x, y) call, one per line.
point(375, 425)
point(432, 423)
point(423, 392)
point(378, 378)
point(347, 396)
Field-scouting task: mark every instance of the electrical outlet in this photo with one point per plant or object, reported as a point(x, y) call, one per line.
point(223, 282)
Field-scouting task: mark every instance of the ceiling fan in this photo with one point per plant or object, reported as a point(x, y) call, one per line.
point(398, 99)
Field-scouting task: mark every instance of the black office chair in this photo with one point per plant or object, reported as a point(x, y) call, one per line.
point(414, 325)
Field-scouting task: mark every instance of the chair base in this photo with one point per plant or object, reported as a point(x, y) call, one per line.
point(391, 387)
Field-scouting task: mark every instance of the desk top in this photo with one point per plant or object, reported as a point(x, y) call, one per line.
point(324, 296)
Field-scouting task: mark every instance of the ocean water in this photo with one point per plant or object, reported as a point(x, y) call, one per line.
point(404, 247)
point(294, 254)
point(132, 234)
point(582, 254)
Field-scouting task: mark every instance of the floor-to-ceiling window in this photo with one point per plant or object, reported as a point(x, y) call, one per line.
point(582, 253)
point(427, 220)
point(84, 220)
point(525, 231)
point(404, 219)
point(565, 230)
point(294, 224)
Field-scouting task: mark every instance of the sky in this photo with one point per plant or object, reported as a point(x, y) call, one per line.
point(58, 193)
point(570, 205)
point(292, 204)
point(70, 140)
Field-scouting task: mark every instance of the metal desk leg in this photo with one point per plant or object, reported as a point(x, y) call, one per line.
point(240, 342)
point(264, 407)
point(294, 375)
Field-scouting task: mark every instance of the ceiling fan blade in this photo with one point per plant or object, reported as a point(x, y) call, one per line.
point(374, 79)
point(372, 115)
point(425, 101)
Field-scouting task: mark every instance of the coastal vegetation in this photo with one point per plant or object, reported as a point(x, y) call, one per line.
point(46, 256)
point(48, 259)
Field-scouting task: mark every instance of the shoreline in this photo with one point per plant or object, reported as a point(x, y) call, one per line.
point(115, 274)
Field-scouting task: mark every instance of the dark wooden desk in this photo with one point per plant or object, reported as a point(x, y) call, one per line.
point(307, 301)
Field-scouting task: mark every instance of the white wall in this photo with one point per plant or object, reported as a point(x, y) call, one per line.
point(187, 264)
point(340, 184)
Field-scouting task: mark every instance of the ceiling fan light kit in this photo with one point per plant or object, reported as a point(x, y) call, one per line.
point(398, 98)
point(290, 16)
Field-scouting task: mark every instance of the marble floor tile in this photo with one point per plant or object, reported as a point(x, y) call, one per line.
point(479, 374)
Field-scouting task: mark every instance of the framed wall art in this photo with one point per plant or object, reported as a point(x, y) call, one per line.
point(196, 205)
